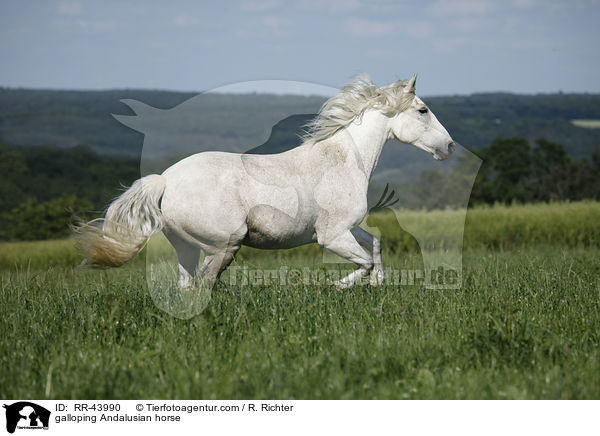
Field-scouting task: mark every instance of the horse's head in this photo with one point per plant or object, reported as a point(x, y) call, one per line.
point(418, 126)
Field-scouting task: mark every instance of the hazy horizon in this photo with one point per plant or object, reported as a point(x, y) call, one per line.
point(277, 93)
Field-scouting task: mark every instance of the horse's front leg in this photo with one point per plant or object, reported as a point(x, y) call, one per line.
point(372, 244)
point(346, 246)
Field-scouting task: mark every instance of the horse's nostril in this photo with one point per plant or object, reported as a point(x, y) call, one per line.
point(451, 146)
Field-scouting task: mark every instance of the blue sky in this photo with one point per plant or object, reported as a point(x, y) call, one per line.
point(456, 47)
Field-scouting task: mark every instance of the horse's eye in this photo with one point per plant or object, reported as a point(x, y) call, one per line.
point(423, 110)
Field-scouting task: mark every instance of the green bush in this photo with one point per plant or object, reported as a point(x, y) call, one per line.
point(47, 220)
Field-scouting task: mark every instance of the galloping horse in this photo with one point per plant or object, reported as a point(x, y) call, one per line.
point(215, 202)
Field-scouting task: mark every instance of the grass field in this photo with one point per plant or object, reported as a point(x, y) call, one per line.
point(524, 325)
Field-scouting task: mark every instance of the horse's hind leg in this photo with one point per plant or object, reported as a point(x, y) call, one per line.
point(188, 257)
point(220, 255)
point(372, 244)
point(216, 262)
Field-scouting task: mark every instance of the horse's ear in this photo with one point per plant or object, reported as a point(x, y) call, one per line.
point(410, 86)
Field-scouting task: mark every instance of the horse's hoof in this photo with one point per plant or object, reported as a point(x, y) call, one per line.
point(377, 277)
point(342, 285)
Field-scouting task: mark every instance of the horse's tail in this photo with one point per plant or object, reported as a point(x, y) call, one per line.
point(129, 222)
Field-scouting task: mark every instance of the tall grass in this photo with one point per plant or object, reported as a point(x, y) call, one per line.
point(524, 324)
point(575, 224)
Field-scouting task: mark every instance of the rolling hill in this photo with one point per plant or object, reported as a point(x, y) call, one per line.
point(240, 122)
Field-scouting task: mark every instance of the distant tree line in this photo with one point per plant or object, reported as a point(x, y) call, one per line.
point(221, 121)
point(512, 170)
point(42, 189)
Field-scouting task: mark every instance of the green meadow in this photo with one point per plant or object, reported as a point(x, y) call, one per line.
point(524, 325)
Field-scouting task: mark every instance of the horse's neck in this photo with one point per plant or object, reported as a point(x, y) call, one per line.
point(369, 134)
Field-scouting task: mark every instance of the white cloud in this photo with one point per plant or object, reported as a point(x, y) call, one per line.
point(454, 44)
point(362, 27)
point(265, 27)
point(524, 4)
point(86, 25)
point(69, 8)
point(460, 7)
point(183, 20)
point(418, 29)
point(260, 5)
point(330, 5)
point(159, 44)
point(70, 14)
point(470, 24)
point(380, 53)
point(274, 23)
point(511, 23)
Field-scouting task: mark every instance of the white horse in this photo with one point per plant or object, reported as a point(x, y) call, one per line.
point(215, 202)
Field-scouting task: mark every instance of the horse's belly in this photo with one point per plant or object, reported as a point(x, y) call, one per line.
point(269, 227)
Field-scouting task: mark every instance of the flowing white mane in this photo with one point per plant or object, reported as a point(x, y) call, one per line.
point(352, 101)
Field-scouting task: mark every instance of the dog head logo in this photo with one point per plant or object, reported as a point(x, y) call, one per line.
point(26, 415)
